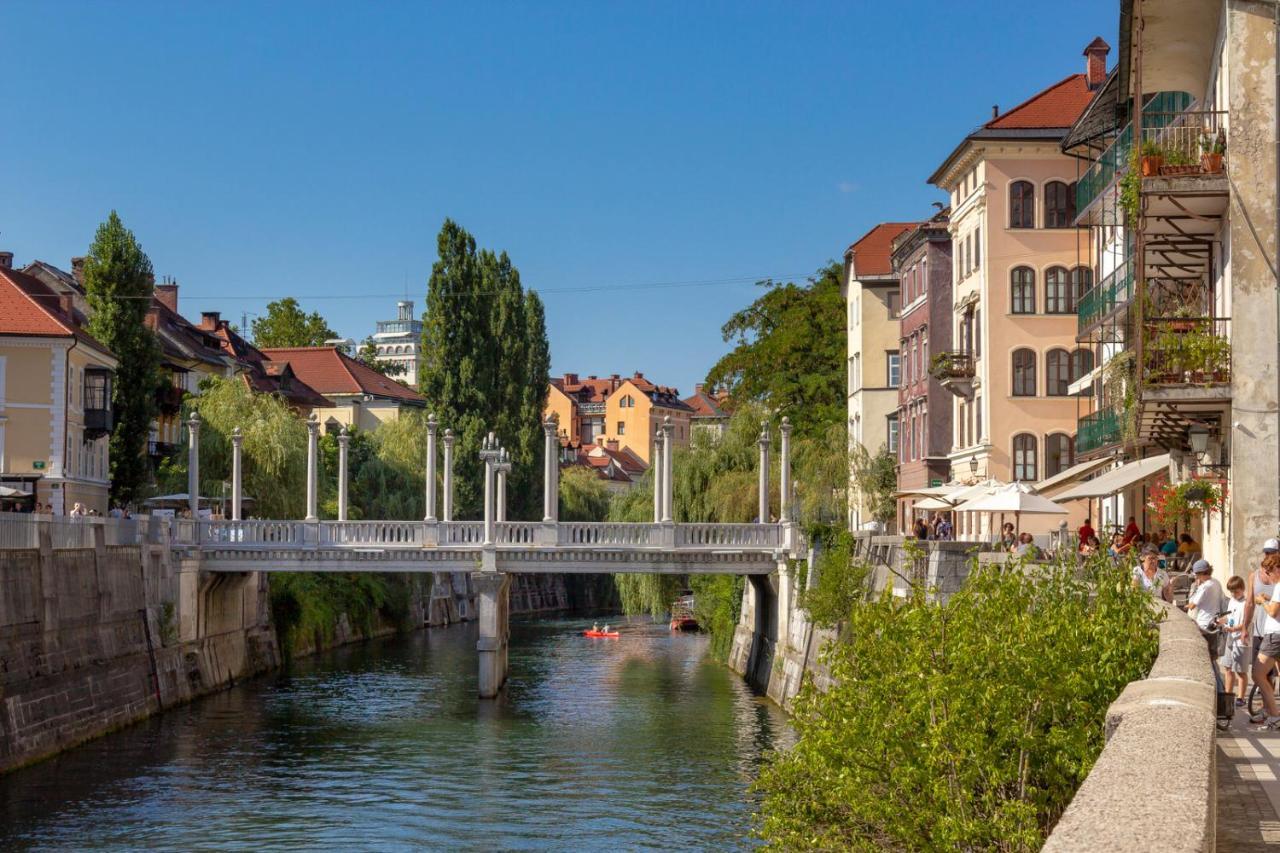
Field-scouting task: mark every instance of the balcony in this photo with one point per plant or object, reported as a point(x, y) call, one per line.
point(169, 399)
point(955, 371)
point(1103, 299)
point(1098, 430)
point(1185, 377)
point(1115, 159)
point(97, 403)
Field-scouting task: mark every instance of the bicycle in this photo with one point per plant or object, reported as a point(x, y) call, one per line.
point(1255, 695)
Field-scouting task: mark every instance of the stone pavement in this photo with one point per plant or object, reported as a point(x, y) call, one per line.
point(1248, 787)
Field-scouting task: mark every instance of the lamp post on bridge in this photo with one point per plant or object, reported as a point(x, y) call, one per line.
point(502, 468)
point(784, 473)
point(668, 445)
point(344, 439)
point(551, 471)
point(193, 464)
point(659, 487)
point(431, 468)
point(313, 438)
point(764, 472)
point(488, 455)
point(448, 475)
point(237, 483)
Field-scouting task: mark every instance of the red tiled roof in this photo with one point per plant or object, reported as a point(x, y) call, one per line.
point(588, 390)
point(704, 405)
point(1056, 107)
point(29, 307)
point(331, 371)
point(872, 253)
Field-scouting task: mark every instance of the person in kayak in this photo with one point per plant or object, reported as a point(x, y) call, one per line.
point(595, 628)
point(606, 629)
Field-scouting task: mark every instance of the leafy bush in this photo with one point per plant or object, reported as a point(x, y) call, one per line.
point(306, 606)
point(960, 726)
point(841, 583)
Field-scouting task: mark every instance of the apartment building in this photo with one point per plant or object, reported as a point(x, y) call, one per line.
point(1184, 314)
point(624, 409)
point(873, 300)
point(356, 395)
point(399, 343)
point(921, 258)
point(1019, 268)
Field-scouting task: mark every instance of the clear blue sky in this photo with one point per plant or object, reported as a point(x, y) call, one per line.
point(312, 149)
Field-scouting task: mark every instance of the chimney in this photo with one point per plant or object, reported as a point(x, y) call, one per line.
point(6, 260)
point(167, 295)
point(571, 379)
point(67, 305)
point(638, 375)
point(592, 376)
point(614, 376)
point(77, 269)
point(210, 319)
point(611, 444)
point(1095, 63)
point(995, 111)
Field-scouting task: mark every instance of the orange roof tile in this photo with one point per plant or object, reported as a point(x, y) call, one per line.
point(1057, 106)
point(29, 307)
point(331, 371)
point(872, 254)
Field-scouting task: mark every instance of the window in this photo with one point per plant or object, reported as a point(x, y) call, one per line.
point(977, 419)
point(1024, 373)
point(1081, 282)
point(893, 301)
point(892, 423)
point(1057, 366)
point(977, 333)
point(1023, 290)
point(622, 427)
point(895, 368)
point(1081, 365)
point(1024, 458)
point(1059, 453)
point(962, 267)
point(977, 248)
point(1059, 205)
point(1022, 205)
point(1058, 298)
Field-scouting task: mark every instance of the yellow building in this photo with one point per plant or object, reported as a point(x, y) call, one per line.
point(55, 397)
point(626, 410)
point(358, 395)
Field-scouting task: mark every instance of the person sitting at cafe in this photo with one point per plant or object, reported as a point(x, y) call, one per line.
point(1187, 545)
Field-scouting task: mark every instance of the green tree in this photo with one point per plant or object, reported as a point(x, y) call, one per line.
point(287, 325)
point(485, 365)
point(368, 356)
point(583, 497)
point(118, 284)
point(789, 352)
point(875, 477)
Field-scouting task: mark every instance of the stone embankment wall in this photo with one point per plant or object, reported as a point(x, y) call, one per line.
point(1154, 787)
point(92, 639)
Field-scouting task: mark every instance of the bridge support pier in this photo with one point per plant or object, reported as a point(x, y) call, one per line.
point(492, 600)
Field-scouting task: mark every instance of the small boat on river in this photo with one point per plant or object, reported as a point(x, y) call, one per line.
point(682, 618)
point(594, 633)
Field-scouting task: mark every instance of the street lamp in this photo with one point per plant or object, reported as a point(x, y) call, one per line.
point(973, 467)
point(1198, 436)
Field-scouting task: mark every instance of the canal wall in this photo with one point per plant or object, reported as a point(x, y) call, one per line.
point(95, 638)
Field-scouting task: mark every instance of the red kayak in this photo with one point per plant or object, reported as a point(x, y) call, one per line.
point(590, 633)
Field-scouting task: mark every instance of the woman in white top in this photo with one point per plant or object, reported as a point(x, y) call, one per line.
point(1261, 583)
point(1269, 648)
point(1149, 576)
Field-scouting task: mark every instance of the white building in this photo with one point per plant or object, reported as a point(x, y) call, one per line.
point(399, 341)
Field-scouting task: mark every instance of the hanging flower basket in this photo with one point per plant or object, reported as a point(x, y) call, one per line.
point(1175, 503)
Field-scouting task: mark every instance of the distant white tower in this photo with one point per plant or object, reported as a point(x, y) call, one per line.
point(399, 341)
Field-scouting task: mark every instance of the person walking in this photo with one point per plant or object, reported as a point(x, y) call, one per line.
point(1235, 662)
point(1260, 584)
point(1205, 603)
point(1269, 651)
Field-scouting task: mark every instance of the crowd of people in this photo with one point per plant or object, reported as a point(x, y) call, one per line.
point(938, 528)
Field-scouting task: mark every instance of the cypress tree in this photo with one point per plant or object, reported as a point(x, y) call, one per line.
point(485, 366)
point(118, 283)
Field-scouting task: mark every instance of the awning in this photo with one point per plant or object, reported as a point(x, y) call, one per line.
point(927, 491)
point(1118, 479)
point(1063, 479)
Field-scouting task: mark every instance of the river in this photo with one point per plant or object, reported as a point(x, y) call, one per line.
point(635, 743)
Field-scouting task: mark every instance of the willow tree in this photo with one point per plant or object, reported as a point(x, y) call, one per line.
point(118, 283)
point(485, 365)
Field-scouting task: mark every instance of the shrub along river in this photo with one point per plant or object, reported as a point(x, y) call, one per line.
point(633, 743)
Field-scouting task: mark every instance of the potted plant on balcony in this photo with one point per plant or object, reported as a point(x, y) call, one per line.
point(1178, 162)
point(1218, 359)
point(1167, 357)
point(1152, 158)
point(1212, 148)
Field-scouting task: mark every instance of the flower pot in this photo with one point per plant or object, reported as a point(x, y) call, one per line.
point(1182, 325)
point(1178, 171)
point(1211, 163)
point(1151, 164)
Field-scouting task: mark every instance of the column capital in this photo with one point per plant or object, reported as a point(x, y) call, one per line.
point(237, 437)
point(344, 436)
point(448, 437)
point(193, 423)
point(764, 440)
point(786, 425)
point(432, 424)
point(313, 423)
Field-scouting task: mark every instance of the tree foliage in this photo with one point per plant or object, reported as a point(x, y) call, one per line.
point(789, 352)
point(368, 356)
point(875, 477)
point(485, 366)
point(965, 725)
point(287, 325)
point(118, 283)
point(583, 497)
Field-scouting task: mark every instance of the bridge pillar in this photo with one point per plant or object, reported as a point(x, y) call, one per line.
point(448, 474)
point(431, 469)
point(763, 607)
point(237, 487)
point(763, 441)
point(492, 599)
point(784, 473)
point(193, 464)
point(313, 438)
point(344, 439)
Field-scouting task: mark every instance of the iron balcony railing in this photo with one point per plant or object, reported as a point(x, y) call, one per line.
point(1186, 351)
point(1097, 430)
point(1115, 159)
point(952, 364)
point(1104, 297)
point(1187, 143)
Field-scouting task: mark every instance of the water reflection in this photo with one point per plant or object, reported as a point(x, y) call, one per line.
point(636, 743)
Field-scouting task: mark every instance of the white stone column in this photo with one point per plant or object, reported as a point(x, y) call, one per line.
point(237, 480)
point(344, 439)
point(431, 468)
point(448, 475)
point(313, 439)
point(784, 475)
point(668, 448)
point(659, 487)
point(489, 456)
point(764, 472)
point(500, 469)
point(551, 471)
point(193, 464)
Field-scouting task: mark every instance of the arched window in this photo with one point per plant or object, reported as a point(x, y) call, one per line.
point(1081, 282)
point(1024, 373)
point(1022, 290)
point(1022, 205)
point(1024, 458)
point(1058, 298)
point(1081, 365)
point(1057, 369)
point(1059, 205)
point(1059, 453)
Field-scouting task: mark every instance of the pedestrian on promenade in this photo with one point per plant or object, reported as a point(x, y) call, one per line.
point(1008, 538)
point(1260, 583)
point(1205, 603)
point(1150, 577)
point(1235, 660)
point(1270, 649)
point(944, 529)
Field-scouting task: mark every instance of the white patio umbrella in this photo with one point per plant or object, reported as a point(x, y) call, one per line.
point(934, 504)
point(1017, 499)
point(928, 491)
